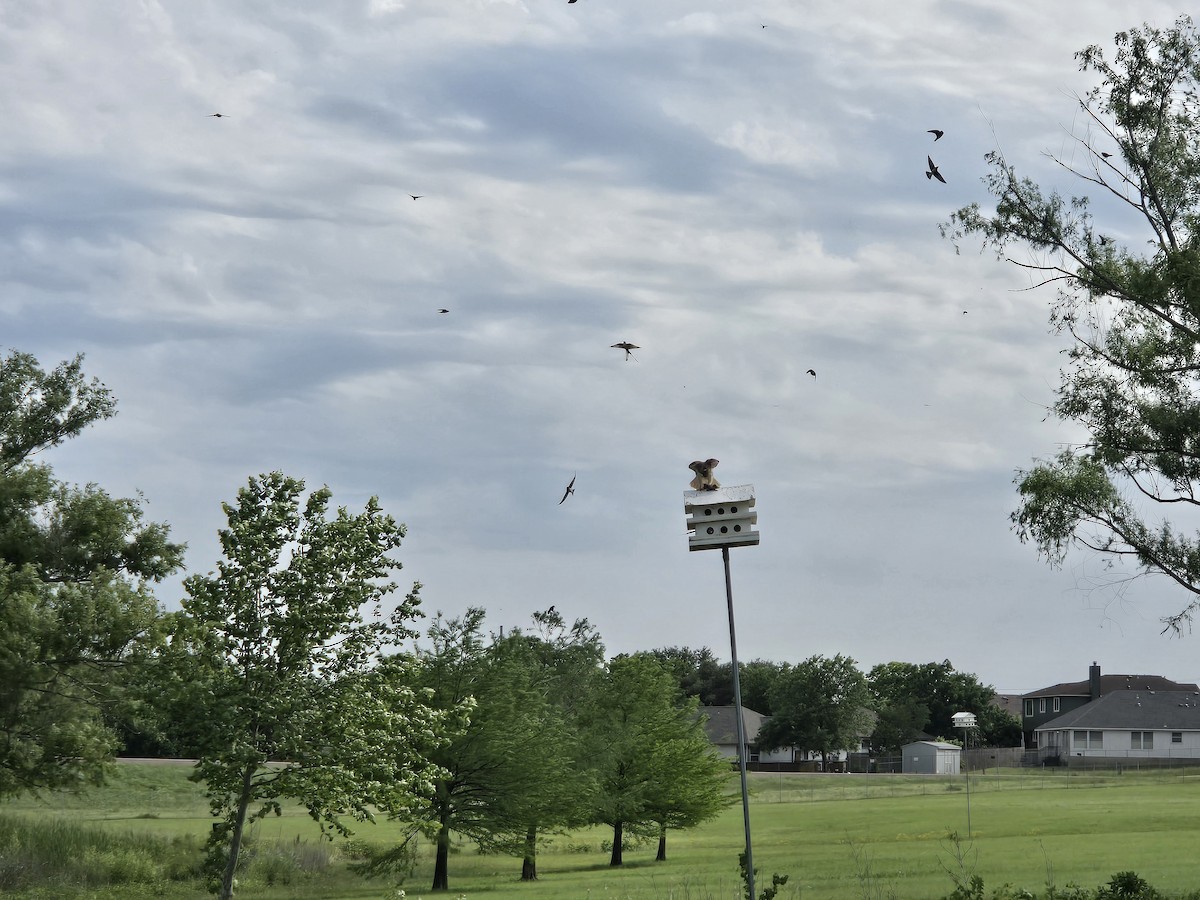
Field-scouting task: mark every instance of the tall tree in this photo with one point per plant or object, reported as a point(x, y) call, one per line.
point(638, 730)
point(76, 569)
point(505, 768)
point(690, 788)
point(272, 658)
point(821, 705)
point(1132, 315)
point(565, 663)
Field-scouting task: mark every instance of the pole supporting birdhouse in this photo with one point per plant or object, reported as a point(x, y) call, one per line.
point(722, 518)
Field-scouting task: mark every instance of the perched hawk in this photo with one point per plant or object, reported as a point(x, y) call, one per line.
point(704, 480)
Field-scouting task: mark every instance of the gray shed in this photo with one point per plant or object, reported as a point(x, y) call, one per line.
point(930, 758)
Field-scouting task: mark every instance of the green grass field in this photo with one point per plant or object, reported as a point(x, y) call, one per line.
point(836, 836)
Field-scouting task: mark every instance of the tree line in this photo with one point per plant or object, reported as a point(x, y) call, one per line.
point(298, 647)
point(295, 670)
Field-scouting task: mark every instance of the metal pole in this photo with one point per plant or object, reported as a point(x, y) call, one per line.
point(967, 776)
point(741, 728)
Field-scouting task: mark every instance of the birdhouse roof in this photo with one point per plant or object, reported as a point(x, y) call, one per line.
point(738, 493)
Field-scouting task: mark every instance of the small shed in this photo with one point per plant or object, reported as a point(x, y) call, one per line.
point(930, 758)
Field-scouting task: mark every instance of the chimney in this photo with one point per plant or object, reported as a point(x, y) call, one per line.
point(1094, 680)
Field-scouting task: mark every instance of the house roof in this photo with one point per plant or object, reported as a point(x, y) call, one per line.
point(1111, 683)
point(1010, 703)
point(720, 724)
point(1147, 710)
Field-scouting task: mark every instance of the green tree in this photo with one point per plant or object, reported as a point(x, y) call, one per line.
point(691, 786)
point(564, 663)
point(1133, 315)
point(821, 705)
point(272, 658)
point(940, 691)
point(76, 568)
point(899, 722)
point(508, 766)
point(638, 731)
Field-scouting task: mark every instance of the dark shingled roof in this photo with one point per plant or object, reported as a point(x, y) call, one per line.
point(1111, 683)
point(721, 724)
point(1140, 710)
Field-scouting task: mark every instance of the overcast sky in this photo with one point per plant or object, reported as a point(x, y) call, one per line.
point(736, 188)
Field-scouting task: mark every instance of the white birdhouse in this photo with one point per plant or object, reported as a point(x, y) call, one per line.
point(721, 518)
point(963, 720)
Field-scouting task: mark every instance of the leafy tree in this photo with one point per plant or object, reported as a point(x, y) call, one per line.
point(691, 788)
point(505, 769)
point(75, 572)
point(940, 691)
point(821, 705)
point(1133, 316)
point(645, 746)
point(898, 723)
point(272, 658)
point(701, 675)
point(564, 664)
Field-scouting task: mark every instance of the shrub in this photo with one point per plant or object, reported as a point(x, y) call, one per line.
point(1128, 886)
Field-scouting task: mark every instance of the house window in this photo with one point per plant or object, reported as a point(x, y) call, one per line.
point(1141, 740)
point(1041, 704)
point(1056, 704)
point(1088, 740)
point(1028, 708)
point(1176, 737)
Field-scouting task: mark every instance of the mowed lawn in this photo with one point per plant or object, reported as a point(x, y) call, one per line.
point(836, 836)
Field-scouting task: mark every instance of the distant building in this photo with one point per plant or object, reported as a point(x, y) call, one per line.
point(1135, 726)
point(930, 758)
point(1043, 706)
point(720, 724)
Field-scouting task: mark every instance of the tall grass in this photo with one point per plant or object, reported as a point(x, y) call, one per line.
point(56, 852)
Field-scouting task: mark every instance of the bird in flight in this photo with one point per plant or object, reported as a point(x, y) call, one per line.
point(937, 133)
point(570, 487)
point(626, 346)
point(1105, 155)
point(416, 196)
point(443, 311)
point(812, 372)
point(933, 171)
point(216, 116)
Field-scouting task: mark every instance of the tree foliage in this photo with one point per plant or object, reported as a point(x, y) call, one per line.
point(75, 571)
point(513, 765)
point(821, 705)
point(653, 764)
point(272, 659)
point(905, 693)
point(1133, 316)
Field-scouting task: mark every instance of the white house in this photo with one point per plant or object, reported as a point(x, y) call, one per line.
point(1132, 725)
point(930, 758)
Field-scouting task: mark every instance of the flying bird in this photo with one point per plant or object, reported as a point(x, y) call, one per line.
point(416, 196)
point(216, 116)
point(812, 372)
point(626, 346)
point(933, 171)
point(937, 133)
point(443, 310)
point(704, 480)
point(1105, 155)
point(570, 487)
